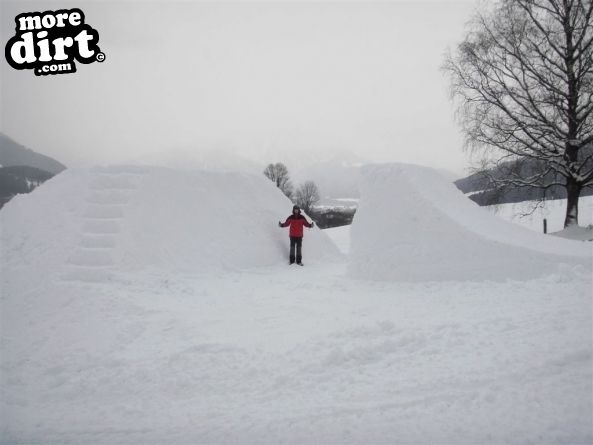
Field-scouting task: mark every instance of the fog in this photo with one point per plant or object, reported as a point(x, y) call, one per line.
point(258, 80)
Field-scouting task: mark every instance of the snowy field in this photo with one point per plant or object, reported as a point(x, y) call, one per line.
point(341, 203)
point(156, 306)
point(554, 211)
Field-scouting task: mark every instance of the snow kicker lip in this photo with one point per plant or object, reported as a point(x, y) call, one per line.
point(432, 232)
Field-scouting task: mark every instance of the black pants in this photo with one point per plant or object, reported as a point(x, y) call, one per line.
point(296, 241)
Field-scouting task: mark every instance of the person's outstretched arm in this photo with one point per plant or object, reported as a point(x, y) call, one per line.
point(285, 223)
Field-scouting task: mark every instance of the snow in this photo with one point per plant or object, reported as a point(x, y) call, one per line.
point(337, 203)
point(120, 323)
point(576, 233)
point(414, 225)
point(554, 211)
point(348, 199)
point(101, 223)
point(341, 237)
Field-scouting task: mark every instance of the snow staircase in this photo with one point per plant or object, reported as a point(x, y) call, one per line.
point(110, 191)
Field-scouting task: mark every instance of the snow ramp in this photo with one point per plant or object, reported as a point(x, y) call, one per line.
point(414, 225)
point(100, 224)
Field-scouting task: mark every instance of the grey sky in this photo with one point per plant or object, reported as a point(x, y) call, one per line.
point(245, 77)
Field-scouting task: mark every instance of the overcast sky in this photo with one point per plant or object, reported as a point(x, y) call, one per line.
point(246, 77)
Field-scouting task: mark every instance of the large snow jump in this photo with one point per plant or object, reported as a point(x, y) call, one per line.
point(90, 225)
point(414, 225)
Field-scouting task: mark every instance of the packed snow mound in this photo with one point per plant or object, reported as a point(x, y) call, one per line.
point(93, 225)
point(414, 225)
point(274, 354)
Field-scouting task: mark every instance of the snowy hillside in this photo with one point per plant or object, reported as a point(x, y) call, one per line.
point(413, 225)
point(149, 305)
point(14, 154)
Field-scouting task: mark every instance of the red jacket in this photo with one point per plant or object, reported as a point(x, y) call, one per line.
point(296, 223)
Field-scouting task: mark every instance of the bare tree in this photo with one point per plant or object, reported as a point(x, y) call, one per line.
point(307, 195)
point(523, 83)
point(278, 173)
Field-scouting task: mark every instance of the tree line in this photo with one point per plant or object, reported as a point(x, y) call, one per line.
point(305, 196)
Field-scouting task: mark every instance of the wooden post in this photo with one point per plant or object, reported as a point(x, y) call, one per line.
point(545, 225)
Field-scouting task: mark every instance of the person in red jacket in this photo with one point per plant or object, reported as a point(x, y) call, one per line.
point(296, 221)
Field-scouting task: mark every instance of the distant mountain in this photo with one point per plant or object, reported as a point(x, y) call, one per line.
point(335, 172)
point(297, 159)
point(22, 169)
point(479, 189)
point(218, 160)
point(335, 180)
point(13, 153)
point(20, 179)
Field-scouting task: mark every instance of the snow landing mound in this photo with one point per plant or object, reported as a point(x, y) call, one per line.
point(414, 225)
point(91, 225)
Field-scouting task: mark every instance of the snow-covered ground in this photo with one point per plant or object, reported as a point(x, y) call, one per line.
point(340, 203)
point(526, 215)
point(155, 306)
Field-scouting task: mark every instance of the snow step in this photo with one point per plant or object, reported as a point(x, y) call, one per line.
point(109, 197)
point(91, 258)
point(113, 182)
point(98, 241)
point(104, 212)
point(100, 227)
